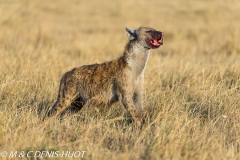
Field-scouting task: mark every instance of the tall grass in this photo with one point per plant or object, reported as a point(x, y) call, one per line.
point(192, 82)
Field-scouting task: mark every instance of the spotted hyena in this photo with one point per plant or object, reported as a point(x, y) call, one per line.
point(118, 80)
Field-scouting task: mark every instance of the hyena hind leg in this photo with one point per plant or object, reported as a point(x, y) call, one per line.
point(58, 106)
point(67, 94)
point(75, 107)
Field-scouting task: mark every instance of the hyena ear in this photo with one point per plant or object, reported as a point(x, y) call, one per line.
point(131, 33)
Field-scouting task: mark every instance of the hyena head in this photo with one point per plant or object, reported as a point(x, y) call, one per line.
point(148, 37)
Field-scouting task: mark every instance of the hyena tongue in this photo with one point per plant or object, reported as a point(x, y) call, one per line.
point(155, 42)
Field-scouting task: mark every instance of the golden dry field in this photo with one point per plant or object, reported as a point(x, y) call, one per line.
point(192, 82)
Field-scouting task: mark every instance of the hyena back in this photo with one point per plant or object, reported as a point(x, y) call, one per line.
point(118, 80)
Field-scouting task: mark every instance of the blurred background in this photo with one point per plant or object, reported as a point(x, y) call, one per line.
point(86, 26)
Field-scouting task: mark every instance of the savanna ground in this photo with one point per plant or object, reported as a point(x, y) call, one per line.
point(192, 96)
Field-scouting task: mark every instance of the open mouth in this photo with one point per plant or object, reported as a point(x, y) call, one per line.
point(155, 43)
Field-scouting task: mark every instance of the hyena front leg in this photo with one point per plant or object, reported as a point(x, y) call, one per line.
point(127, 101)
point(129, 105)
point(138, 94)
point(137, 99)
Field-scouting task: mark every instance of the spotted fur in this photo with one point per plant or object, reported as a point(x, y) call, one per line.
point(118, 80)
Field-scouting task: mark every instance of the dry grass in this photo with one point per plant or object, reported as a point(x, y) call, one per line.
point(192, 82)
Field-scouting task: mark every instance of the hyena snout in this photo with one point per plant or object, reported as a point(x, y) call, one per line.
point(158, 35)
point(156, 39)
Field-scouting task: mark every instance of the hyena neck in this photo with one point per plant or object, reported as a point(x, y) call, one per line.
point(136, 57)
